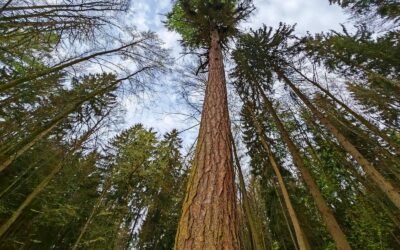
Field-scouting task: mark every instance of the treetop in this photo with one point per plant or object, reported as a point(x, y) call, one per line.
point(195, 19)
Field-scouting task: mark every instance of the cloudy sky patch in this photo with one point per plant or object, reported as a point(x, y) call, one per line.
point(162, 109)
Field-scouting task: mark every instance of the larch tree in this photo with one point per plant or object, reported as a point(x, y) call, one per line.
point(209, 219)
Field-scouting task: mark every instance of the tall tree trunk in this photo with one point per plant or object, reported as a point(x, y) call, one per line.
point(29, 199)
point(22, 147)
point(29, 170)
point(14, 83)
point(255, 230)
point(90, 218)
point(326, 213)
point(209, 219)
point(391, 191)
point(42, 185)
point(300, 235)
point(364, 121)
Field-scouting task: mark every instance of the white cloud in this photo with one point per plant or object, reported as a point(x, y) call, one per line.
point(155, 111)
point(310, 15)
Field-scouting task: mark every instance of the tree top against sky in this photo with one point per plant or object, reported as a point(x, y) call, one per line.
point(194, 19)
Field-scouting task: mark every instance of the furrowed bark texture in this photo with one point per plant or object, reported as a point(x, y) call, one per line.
point(209, 219)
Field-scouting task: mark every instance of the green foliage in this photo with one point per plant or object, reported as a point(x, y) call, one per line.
point(357, 54)
point(261, 56)
point(389, 9)
point(126, 192)
point(194, 20)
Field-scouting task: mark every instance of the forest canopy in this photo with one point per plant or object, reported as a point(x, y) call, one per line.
point(285, 139)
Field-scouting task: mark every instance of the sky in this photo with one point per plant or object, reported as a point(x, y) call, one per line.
point(163, 109)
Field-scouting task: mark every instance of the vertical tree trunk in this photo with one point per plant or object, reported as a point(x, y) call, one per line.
point(326, 213)
point(209, 219)
point(391, 191)
point(255, 230)
point(300, 235)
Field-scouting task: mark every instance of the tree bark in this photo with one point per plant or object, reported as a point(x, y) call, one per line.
point(255, 231)
point(387, 187)
point(209, 216)
point(327, 215)
point(300, 235)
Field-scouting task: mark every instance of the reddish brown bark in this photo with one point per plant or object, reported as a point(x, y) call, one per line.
point(209, 219)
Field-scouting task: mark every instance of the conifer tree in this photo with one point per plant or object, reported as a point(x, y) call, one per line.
point(250, 84)
point(275, 59)
point(209, 213)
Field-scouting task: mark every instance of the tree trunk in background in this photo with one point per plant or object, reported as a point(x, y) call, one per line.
point(300, 236)
point(42, 132)
point(326, 213)
point(254, 228)
point(209, 219)
point(387, 187)
point(42, 185)
point(363, 120)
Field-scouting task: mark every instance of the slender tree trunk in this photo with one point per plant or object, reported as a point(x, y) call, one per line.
point(209, 216)
point(89, 219)
point(391, 191)
point(15, 152)
point(19, 178)
point(29, 199)
point(254, 192)
point(32, 141)
point(364, 121)
point(42, 185)
point(255, 231)
point(57, 68)
point(292, 237)
point(300, 235)
point(326, 213)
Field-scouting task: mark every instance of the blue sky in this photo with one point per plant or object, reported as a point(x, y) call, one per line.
point(160, 109)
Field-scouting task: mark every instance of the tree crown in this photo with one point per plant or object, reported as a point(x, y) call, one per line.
point(195, 19)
